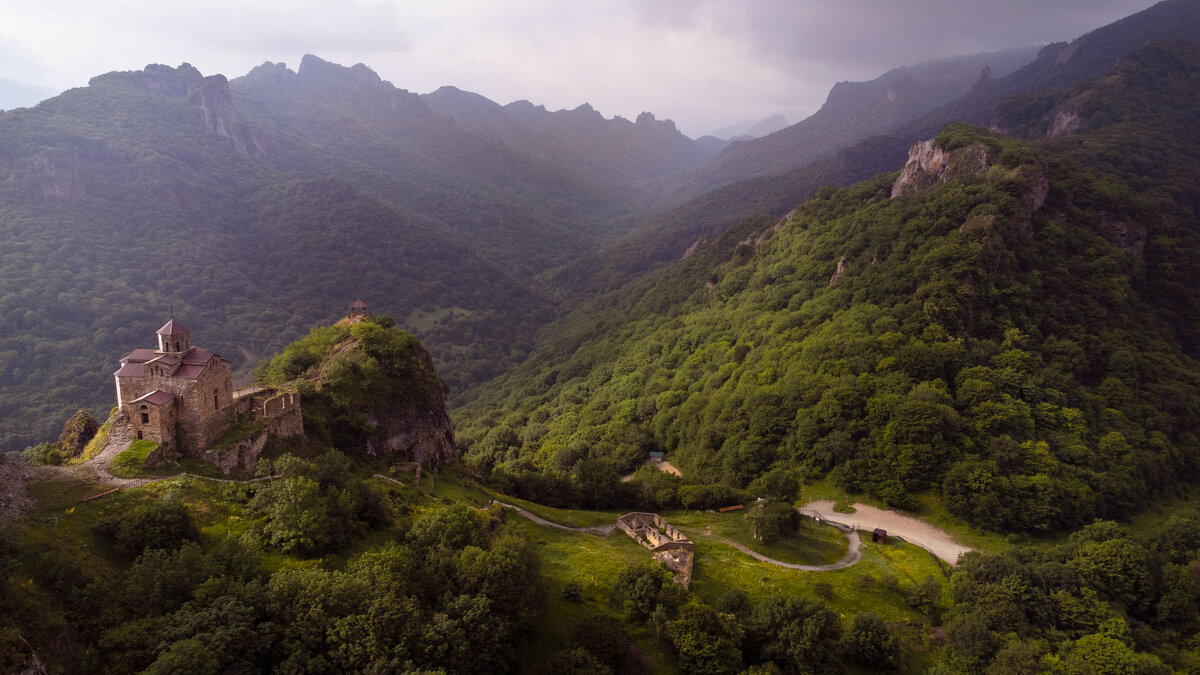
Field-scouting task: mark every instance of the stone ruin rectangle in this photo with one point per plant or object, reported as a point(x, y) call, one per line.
point(670, 546)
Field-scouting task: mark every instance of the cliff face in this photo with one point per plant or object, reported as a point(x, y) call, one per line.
point(929, 165)
point(415, 427)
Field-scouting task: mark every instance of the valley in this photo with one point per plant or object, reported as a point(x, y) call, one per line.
point(910, 385)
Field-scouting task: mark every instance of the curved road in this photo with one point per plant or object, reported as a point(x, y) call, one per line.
point(601, 530)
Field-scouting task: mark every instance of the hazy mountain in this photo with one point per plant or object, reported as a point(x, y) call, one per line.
point(665, 233)
point(644, 148)
point(748, 129)
point(853, 111)
point(15, 94)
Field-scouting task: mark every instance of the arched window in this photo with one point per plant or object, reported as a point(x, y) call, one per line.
point(177, 345)
point(145, 417)
point(215, 405)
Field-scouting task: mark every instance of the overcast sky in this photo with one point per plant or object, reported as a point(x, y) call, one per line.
point(702, 63)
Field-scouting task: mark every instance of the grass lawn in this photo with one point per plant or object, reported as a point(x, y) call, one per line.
point(420, 320)
point(594, 562)
point(131, 464)
point(812, 545)
point(878, 582)
point(450, 487)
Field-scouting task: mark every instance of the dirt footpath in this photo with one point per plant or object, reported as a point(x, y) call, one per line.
point(912, 530)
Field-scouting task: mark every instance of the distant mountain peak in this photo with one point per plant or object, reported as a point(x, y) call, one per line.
point(315, 66)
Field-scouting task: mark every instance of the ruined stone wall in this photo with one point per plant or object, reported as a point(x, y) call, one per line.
point(280, 410)
point(670, 546)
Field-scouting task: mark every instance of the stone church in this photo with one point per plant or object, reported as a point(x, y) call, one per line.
point(178, 395)
point(181, 397)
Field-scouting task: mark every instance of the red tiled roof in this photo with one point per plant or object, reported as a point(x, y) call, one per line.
point(140, 356)
point(197, 356)
point(165, 360)
point(132, 369)
point(156, 397)
point(358, 304)
point(188, 371)
point(172, 328)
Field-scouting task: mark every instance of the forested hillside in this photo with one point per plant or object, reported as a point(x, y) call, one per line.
point(1012, 327)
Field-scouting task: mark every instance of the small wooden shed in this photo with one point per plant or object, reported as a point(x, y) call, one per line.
point(879, 536)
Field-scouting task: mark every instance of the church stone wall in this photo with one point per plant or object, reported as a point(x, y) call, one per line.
point(159, 425)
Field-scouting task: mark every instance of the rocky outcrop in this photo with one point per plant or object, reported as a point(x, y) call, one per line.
point(76, 433)
point(700, 243)
point(839, 272)
point(929, 165)
point(217, 110)
point(428, 440)
point(926, 164)
point(416, 426)
point(20, 657)
point(1064, 122)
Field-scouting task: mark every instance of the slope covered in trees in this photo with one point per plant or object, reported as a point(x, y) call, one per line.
point(1016, 334)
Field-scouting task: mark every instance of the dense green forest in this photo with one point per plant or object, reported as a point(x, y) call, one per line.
point(1018, 336)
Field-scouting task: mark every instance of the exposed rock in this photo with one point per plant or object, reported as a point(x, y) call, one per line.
point(21, 658)
point(1066, 54)
point(929, 165)
point(700, 243)
point(418, 426)
point(60, 169)
point(1039, 187)
point(213, 98)
point(776, 227)
point(985, 78)
point(839, 272)
point(1064, 122)
point(926, 163)
point(76, 433)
